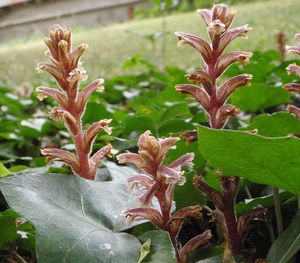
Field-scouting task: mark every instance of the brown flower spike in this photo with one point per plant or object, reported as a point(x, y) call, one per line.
point(214, 63)
point(293, 68)
point(159, 181)
point(213, 100)
point(65, 67)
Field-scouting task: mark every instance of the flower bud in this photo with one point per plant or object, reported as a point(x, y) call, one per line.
point(44, 92)
point(295, 110)
point(199, 240)
point(226, 60)
point(224, 113)
point(77, 74)
point(232, 34)
point(216, 27)
point(197, 43)
point(67, 157)
point(198, 93)
point(228, 87)
point(293, 68)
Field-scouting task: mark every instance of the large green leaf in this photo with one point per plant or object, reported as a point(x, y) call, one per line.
point(288, 243)
point(275, 125)
point(273, 161)
point(258, 97)
point(76, 220)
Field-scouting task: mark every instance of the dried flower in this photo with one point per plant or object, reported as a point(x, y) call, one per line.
point(211, 98)
point(66, 68)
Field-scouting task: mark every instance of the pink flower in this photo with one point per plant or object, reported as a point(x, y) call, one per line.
point(293, 68)
point(66, 68)
point(210, 97)
point(159, 180)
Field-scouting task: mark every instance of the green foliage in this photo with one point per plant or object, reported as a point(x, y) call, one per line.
point(74, 218)
point(136, 103)
point(263, 160)
point(275, 125)
point(259, 96)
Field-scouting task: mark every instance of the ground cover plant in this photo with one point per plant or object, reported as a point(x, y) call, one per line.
point(205, 171)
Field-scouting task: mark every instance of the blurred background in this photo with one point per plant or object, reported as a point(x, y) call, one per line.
point(121, 31)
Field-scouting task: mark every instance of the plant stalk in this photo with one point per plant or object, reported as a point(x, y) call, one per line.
point(278, 214)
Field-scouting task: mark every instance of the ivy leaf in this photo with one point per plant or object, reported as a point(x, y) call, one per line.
point(272, 161)
point(275, 125)
point(259, 96)
point(288, 243)
point(74, 218)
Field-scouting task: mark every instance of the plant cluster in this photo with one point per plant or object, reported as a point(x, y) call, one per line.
point(214, 197)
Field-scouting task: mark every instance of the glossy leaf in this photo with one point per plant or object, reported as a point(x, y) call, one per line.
point(273, 161)
point(74, 218)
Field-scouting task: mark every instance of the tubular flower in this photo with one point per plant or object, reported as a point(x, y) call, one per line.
point(295, 69)
point(66, 68)
point(158, 180)
point(213, 98)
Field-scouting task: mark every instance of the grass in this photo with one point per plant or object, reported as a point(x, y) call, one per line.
point(110, 46)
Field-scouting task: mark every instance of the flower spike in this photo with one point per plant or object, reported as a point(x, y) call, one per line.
point(159, 181)
point(293, 87)
point(212, 98)
point(65, 67)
